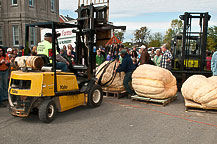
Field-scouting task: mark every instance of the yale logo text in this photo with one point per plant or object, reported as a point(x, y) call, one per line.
point(63, 87)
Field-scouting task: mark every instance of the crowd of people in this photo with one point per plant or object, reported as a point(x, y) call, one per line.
point(129, 60)
point(161, 57)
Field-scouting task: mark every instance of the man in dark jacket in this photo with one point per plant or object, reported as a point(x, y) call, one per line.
point(127, 67)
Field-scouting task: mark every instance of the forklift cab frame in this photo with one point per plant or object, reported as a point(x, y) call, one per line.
point(79, 45)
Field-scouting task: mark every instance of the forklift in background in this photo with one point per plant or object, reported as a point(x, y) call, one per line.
point(189, 47)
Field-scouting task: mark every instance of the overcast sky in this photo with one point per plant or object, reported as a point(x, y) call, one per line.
point(155, 14)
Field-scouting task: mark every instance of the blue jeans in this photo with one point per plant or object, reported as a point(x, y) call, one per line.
point(127, 79)
point(4, 85)
point(62, 66)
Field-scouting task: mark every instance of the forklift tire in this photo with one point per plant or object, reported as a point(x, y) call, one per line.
point(47, 111)
point(95, 96)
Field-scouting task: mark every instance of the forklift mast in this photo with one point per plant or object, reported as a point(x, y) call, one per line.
point(93, 19)
point(189, 32)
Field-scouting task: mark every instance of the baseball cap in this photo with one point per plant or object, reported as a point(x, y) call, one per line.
point(123, 52)
point(9, 50)
point(48, 35)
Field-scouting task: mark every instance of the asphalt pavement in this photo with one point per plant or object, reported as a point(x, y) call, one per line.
point(116, 121)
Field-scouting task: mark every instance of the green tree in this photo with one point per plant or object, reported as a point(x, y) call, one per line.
point(119, 34)
point(127, 44)
point(175, 28)
point(156, 40)
point(142, 35)
point(212, 38)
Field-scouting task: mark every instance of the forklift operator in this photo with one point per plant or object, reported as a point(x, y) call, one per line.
point(45, 46)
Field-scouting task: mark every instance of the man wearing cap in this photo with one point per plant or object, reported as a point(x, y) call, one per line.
point(45, 46)
point(127, 67)
point(144, 57)
point(9, 51)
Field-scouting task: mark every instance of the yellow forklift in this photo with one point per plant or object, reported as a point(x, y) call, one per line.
point(189, 47)
point(54, 91)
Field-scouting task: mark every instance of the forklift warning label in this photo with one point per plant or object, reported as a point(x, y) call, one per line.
point(63, 87)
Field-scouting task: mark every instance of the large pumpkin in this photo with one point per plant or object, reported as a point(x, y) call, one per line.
point(201, 90)
point(114, 82)
point(154, 82)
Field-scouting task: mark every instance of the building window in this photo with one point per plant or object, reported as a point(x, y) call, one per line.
point(15, 35)
point(32, 36)
point(1, 38)
point(0, 3)
point(14, 2)
point(31, 3)
point(52, 5)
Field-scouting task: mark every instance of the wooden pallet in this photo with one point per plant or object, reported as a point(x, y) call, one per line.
point(159, 101)
point(200, 110)
point(115, 94)
point(191, 106)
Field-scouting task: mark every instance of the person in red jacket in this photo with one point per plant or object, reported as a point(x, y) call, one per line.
point(4, 66)
point(208, 61)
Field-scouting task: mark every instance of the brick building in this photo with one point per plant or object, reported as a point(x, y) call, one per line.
point(14, 14)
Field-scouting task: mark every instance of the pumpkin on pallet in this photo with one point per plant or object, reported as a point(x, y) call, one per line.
point(111, 82)
point(200, 92)
point(154, 82)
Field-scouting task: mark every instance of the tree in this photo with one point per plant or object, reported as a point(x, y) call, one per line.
point(156, 40)
point(127, 44)
point(175, 28)
point(119, 34)
point(142, 35)
point(212, 38)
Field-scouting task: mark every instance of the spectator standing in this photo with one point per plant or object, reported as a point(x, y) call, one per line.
point(134, 53)
point(152, 54)
point(208, 61)
point(9, 51)
point(73, 53)
point(109, 56)
point(12, 62)
point(145, 57)
point(4, 66)
point(15, 52)
point(103, 53)
point(166, 58)
point(34, 51)
point(157, 58)
point(120, 49)
point(214, 64)
point(99, 58)
point(64, 48)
